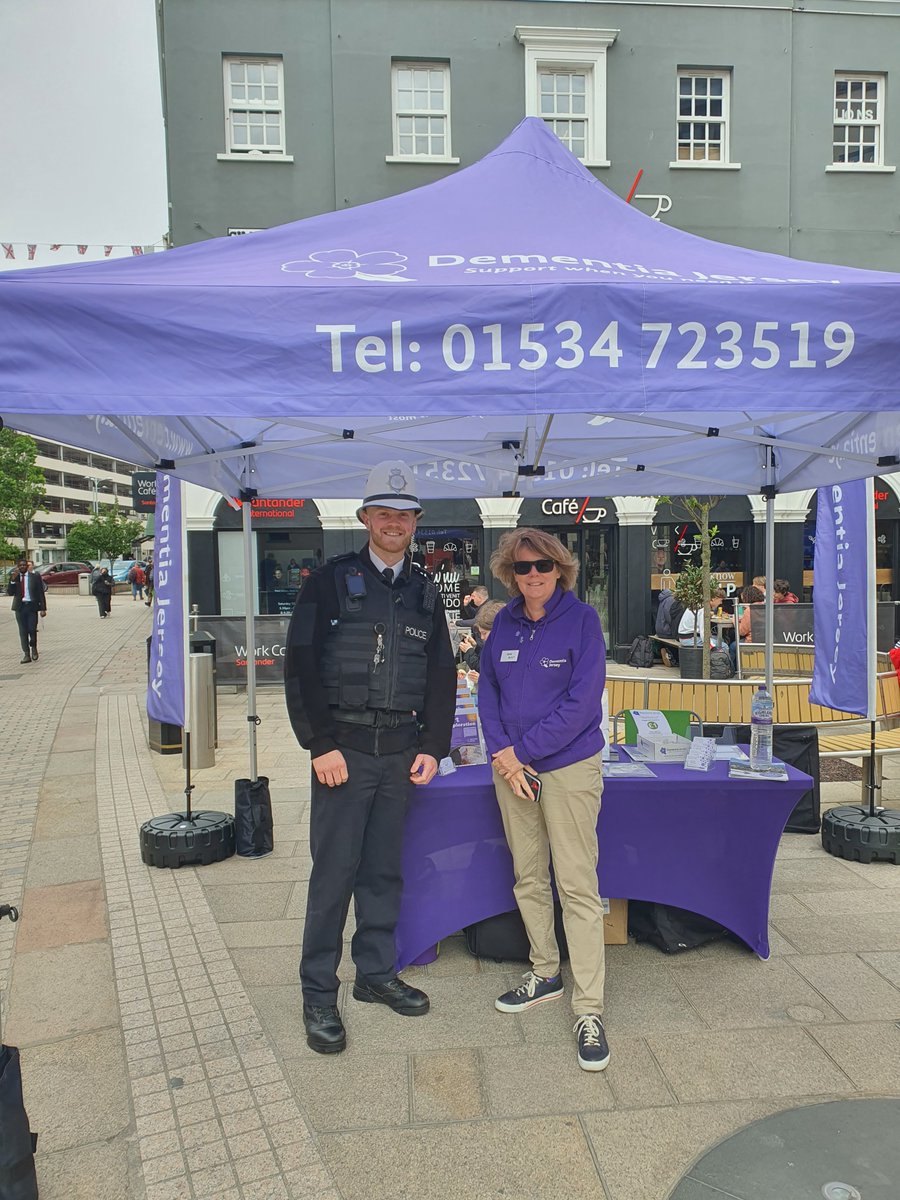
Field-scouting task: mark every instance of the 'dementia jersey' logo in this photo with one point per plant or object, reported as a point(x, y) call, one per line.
point(382, 266)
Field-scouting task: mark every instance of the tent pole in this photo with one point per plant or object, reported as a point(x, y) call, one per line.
point(770, 570)
point(247, 495)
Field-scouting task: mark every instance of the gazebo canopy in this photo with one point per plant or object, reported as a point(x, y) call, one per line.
point(514, 327)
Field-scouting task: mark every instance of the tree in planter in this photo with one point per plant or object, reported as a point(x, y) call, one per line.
point(22, 487)
point(697, 509)
point(107, 535)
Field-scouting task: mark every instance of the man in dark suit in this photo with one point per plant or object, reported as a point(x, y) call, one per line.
point(29, 598)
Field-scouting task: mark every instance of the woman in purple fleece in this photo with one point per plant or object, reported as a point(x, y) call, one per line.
point(540, 700)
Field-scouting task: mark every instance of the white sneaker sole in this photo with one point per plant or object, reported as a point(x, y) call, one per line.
point(593, 1066)
point(514, 1008)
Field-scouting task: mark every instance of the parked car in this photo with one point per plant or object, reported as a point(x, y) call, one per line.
point(63, 574)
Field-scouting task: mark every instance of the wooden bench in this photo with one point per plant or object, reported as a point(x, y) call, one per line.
point(795, 661)
point(665, 643)
point(727, 702)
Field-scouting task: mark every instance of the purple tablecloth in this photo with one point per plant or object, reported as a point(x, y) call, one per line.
point(698, 840)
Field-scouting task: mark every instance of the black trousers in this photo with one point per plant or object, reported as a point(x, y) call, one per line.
point(27, 620)
point(356, 839)
point(104, 602)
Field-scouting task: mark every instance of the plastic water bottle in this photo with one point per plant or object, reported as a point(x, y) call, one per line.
point(761, 707)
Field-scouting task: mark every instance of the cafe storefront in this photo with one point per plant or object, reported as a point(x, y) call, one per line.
point(586, 525)
point(675, 541)
point(887, 543)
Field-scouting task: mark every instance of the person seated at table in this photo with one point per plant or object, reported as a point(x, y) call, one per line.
point(759, 581)
point(691, 632)
point(782, 594)
point(472, 644)
point(750, 595)
point(540, 701)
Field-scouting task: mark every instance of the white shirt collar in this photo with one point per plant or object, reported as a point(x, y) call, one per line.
point(380, 565)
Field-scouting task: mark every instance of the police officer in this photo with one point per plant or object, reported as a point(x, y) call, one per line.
point(370, 685)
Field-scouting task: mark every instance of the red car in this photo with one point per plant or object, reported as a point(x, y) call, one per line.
point(64, 573)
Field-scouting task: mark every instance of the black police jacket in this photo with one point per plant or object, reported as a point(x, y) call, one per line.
point(356, 645)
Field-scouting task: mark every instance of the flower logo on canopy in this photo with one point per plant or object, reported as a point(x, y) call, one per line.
point(380, 265)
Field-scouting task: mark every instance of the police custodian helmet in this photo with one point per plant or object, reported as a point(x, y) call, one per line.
point(391, 485)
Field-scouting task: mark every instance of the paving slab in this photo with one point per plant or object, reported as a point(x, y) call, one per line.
point(642, 1153)
point(869, 1053)
point(887, 964)
point(64, 860)
point(97, 1171)
point(449, 1086)
point(76, 1091)
point(841, 933)
point(477, 1160)
point(254, 901)
point(544, 1080)
point(747, 1064)
point(748, 993)
point(851, 986)
point(62, 915)
point(60, 991)
point(345, 1091)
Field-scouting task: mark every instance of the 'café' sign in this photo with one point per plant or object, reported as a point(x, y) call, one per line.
point(582, 512)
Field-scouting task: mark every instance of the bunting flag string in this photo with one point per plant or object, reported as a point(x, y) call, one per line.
point(30, 250)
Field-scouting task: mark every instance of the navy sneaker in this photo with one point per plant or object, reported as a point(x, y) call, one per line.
point(593, 1048)
point(535, 990)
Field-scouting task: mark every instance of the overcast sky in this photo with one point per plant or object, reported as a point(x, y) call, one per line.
point(81, 146)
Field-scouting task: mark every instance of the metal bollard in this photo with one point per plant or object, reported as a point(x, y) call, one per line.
point(203, 711)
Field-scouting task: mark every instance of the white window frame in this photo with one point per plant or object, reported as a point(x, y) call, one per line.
point(878, 167)
point(396, 112)
point(569, 49)
point(236, 153)
point(706, 164)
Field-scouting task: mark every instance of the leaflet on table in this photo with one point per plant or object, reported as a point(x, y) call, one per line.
point(627, 770)
point(701, 755)
point(655, 740)
point(731, 754)
point(467, 746)
point(776, 773)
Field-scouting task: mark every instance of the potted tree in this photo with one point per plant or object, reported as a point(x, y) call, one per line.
point(695, 583)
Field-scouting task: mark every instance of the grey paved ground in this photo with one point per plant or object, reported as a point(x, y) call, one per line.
point(158, 1012)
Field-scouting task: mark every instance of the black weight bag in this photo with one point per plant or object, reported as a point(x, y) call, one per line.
point(641, 653)
point(503, 938)
point(253, 827)
point(669, 928)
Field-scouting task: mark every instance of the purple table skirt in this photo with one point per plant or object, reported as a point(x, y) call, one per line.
point(697, 840)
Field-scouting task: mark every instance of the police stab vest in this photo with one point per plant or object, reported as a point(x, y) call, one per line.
point(375, 657)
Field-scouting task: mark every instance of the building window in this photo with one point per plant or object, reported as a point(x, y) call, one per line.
point(565, 85)
point(254, 108)
point(702, 125)
point(420, 102)
point(858, 136)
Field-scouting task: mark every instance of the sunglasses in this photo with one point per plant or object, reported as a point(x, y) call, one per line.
point(544, 566)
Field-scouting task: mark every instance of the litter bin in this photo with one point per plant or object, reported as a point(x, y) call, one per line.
point(203, 710)
point(84, 583)
point(203, 642)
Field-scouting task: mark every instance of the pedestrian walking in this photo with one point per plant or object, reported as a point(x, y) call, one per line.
point(29, 601)
point(137, 579)
point(148, 582)
point(103, 589)
point(370, 686)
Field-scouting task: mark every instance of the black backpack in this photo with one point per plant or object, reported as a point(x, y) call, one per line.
point(641, 653)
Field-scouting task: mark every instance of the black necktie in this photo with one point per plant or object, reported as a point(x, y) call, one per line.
point(388, 576)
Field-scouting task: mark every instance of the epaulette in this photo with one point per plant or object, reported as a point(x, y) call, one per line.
point(336, 558)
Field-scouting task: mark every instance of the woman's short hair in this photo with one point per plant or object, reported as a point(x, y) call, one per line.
point(485, 616)
point(539, 542)
point(759, 581)
point(752, 595)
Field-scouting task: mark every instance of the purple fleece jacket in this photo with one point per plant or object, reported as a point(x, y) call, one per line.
point(541, 684)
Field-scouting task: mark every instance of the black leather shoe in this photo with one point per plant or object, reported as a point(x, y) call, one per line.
point(26, 659)
point(34, 656)
point(403, 999)
point(325, 1031)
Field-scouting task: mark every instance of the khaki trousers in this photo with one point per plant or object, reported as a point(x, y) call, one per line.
point(563, 824)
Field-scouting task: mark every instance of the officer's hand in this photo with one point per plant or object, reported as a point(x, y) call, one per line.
point(423, 769)
point(331, 768)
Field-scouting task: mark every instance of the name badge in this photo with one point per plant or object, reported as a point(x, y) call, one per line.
point(509, 655)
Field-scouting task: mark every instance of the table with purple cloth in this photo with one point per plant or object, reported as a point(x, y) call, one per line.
point(698, 840)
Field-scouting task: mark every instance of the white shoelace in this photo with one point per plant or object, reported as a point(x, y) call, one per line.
point(591, 1026)
point(529, 987)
